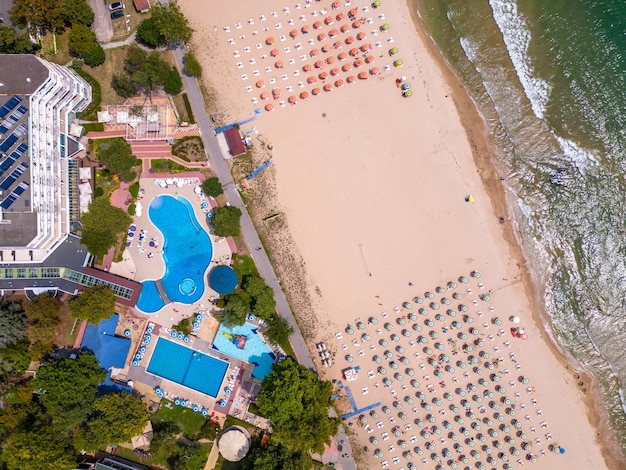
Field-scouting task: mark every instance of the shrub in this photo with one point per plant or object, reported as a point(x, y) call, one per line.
point(99, 192)
point(212, 187)
point(188, 108)
point(123, 85)
point(95, 56)
point(96, 96)
point(192, 66)
point(173, 83)
point(226, 221)
point(148, 34)
point(134, 190)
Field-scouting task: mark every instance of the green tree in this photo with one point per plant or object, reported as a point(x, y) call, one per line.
point(38, 448)
point(42, 15)
point(152, 73)
point(12, 322)
point(95, 56)
point(68, 388)
point(192, 65)
point(123, 85)
point(81, 40)
point(236, 309)
point(102, 226)
point(276, 457)
point(76, 12)
point(116, 419)
point(135, 59)
point(297, 403)
point(82, 43)
point(212, 187)
point(171, 23)
point(148, 34)
point(93, 304)
point(173, 84)
point(165, 435)
point(262, 302)
point(42, 313)
point(117, 155)
point(226, 221)
point(278, 330)
point(13, 43)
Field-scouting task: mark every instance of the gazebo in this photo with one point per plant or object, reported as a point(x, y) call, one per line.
point(234, 443)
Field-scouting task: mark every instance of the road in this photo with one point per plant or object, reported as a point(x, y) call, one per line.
point(220, 167)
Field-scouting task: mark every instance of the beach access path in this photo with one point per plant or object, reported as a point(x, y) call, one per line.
point(220, 167)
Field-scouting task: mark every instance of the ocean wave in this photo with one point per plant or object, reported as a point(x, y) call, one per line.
point(516, 37)
point(581, 158)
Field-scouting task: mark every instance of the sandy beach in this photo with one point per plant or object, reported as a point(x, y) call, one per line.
point(374, 187)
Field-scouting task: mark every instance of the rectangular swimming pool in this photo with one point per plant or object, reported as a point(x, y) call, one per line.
point(187, 367)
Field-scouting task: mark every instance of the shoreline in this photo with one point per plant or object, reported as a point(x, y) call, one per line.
point(483, 149)
point(324, 307)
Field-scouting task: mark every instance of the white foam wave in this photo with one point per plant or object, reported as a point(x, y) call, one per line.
point(517, 38)
point(580, 157)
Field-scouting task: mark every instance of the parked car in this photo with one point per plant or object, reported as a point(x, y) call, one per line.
point(117, 14)
point(116, 6)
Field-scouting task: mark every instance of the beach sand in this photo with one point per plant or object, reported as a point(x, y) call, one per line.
point(372, 187)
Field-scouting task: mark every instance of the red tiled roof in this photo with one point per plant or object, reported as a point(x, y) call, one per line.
point(142, 5)
point(235, 144)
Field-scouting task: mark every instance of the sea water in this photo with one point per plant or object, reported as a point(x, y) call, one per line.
point(548, 77)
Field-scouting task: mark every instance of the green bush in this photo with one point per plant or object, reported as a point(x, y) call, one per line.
point(95, 56)
point(192, 120)
point(123, 85)
point(93, 127)
point(99, 192)
point(132, 208)
point(96, 96)
point(192, 66)
point(148, 34)
point(226, 221)
point(134, 190)
point(212, 187)
point(173, 83)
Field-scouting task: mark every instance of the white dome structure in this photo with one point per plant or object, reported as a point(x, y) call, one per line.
point(234, 443)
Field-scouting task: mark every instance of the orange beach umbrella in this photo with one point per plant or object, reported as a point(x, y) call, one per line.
point(279, 64)
point(269, 41)
point(306, 68)
point(369, 59)
point(363, 76)
point(352, 13)
point(269, 107)
point(333, 33)
point(292, 100)
point(361, 36)
point(346, 67)
point(314, 52)
point(315, 91)
point(328, 87)
point(334, 72)
point(330, 59)
point(321, 37)
point(374, 71)
point(354, 52)
point(260, 84)
point(337, 45)
point(274, 52)
point(323, 76)
point(358, 63)
point(349, 40)
point(264, 95)
point(317, 25)
point(342, 56)
point(325, 48)
point(345, 28)
point(318, 64)
point(351, 79)
point(340, 16)
point(305, 29)
point(329, 20)
point(366, 47)
point(293, 33)
point(356, 24)
point(339, 83)
point(311, 80)
point(304, 95)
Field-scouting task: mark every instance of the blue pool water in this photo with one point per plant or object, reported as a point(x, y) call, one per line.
point(255, 351)
point(187, 252)
point(187, 367)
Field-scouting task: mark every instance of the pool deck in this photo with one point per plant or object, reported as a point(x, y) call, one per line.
point(138, 266)
point(236, 372)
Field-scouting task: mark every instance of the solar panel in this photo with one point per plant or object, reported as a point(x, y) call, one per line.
point(9, 105)
point(12, 119)
point(15, 174)
point(15, 194)
point(4, 146)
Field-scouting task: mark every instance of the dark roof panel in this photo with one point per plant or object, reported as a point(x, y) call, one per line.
point(21, 74)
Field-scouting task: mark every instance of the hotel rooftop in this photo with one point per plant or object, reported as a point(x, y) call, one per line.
point(39, 197)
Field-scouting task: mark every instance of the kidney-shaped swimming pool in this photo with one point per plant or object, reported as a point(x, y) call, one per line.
point(187, 253)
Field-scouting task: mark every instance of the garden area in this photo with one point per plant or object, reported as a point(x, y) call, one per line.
point(190, 149)
point(165, 165)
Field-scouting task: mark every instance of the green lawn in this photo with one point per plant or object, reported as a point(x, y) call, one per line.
point(188, 421)
point(244, 265)
point(159, 165)
point(195, 463)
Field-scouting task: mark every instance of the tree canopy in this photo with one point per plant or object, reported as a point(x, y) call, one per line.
point(276, 457)
point(236, 309)
point(297, 403)
point(171, 23)
point(116, 418)
point(42, 313)
point(212, 187)
point(148, 34)
point(278, 329)
point(192, 65)
point(117, 155)
point(82, 43)
point(13, 43)
point(262, 301)
point(50, 15)
point(93, 304)
point(12, 322)
point(102, 226)
point(32, 449)
point(123, 85)
point(68, 388)
point(149, 71)
point(226, 221)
